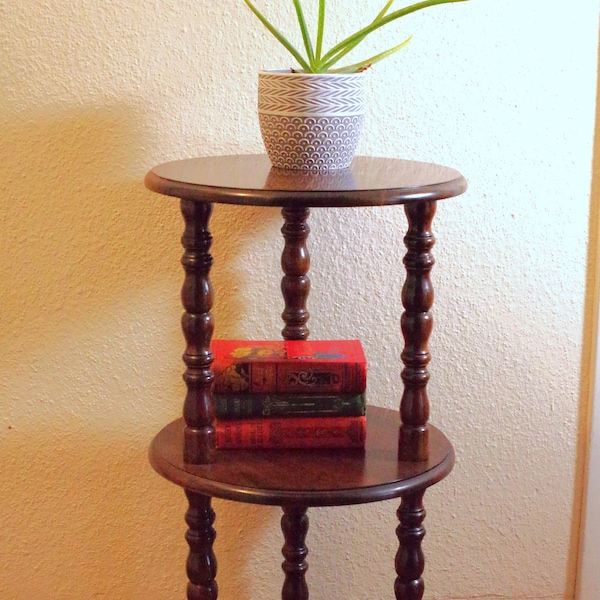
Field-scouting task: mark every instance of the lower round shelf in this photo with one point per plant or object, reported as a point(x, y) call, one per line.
point(308, 477)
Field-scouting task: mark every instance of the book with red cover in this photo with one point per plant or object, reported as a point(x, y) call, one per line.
point(289, 367)
point(292, 433)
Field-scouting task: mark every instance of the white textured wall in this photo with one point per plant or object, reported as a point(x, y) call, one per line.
point(95, 93)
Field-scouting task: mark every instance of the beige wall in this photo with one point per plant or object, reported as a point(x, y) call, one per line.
point(95, 93)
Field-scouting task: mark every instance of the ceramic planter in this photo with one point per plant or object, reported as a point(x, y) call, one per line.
point(311, 121)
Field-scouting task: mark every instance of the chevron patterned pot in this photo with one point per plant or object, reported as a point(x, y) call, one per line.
point(311, 121)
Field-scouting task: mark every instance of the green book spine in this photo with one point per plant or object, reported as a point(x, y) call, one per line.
point(244, 406)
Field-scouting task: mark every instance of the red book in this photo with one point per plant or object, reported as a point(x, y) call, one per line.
point(289, 367)
point(302, 432)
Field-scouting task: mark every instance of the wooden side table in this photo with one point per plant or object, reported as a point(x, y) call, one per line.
point(404, 454)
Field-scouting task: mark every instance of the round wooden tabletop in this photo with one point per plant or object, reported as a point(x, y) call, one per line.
point(308, 477)
point(250, 179)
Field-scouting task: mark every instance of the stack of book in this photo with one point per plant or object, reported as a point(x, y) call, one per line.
point(289, 394)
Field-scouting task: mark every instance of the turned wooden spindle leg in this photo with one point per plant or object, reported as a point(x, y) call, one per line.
point(294, 524)
point(197, 324)
point(409, 558)
point(416, 322)
point(201, 564)
point(295, 262)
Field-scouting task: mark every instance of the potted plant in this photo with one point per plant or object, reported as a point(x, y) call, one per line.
point(311, 116)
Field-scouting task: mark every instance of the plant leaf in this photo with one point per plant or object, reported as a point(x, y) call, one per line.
point(384, 9)
point(320, 30)
point(379, 22)
point(305, 35)
point(365, 64)
point(280, 37)
point(324, 66)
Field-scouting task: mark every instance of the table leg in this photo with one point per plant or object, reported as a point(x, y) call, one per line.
point(294, 524)
point(197, 324)
point(416, 322)
point(410, 562)
point(201, 564)
point(295, 262)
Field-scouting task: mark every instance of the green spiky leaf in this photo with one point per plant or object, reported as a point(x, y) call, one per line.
point(316, 61)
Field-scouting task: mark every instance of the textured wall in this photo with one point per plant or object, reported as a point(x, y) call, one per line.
point(95, 93)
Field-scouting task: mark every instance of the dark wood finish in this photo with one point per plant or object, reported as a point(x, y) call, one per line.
point(294, 524)
point(201, 564)
point(410, 561)
point(295, 262)
point(403, 455)
point(250, 179)
point(197, 324)
point(308, 477)
point(416, 322)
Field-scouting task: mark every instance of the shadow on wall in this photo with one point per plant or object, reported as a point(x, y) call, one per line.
point(75, 221)
point(82, 243)
point(79, 227)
